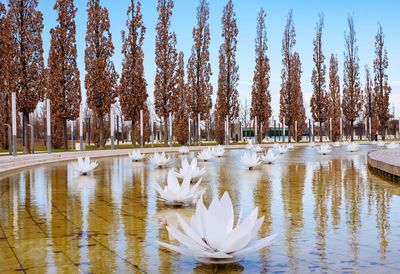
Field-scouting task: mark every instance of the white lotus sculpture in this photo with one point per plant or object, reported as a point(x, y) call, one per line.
point(190, 170)
point(380, 143)
point(160, 160)
point(84, 165)
point(206, 154)
point(175, 193)
point(345, 143)
point(219, 151)
point(392, 145)
point(324, 149)
point(250, 160)
point(374, 142)
point(352, 147)
point(269, 157)
point(312, 144)
point(183, 150)
point(212, 237)
point(249, 146)
point(282, 149)
point(275, 145)
point(336, 144)
point(136, 155)
point(257, 148)
point(290, 146)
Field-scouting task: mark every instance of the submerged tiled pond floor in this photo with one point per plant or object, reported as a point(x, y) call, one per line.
point(331, 213)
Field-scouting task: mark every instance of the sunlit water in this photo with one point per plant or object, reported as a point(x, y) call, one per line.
point(331, 213)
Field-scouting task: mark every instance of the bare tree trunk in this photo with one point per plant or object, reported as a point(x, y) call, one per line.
point(25, 118)
point(352, 130)
point(133, 132)
point(101, 117)
point(166, 132)
point(65, 135)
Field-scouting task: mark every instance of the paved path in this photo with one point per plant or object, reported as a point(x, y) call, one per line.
point(386, 161)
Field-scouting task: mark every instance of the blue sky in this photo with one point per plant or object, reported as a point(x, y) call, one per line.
point(366, 14)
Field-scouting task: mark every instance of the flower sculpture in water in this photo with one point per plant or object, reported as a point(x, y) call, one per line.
point(249, 146)
point(380, 143)
point(269, 157)
point(374, 142)
point(257, 149)
point(212, 236)
point(160, 160)
point(183, 150)
point(290, 146)
point(250, 160)
point(312, 144)
point(206, 155)
point(179, 194)
point(84, 165)
point(392, 145)
point(282, 149)
point(136, 155)
point(190, 170)
point(219, 151)
point(352, 147)
point(324, 149)
point(336, 144)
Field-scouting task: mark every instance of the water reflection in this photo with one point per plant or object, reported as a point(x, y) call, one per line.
point(331, 214)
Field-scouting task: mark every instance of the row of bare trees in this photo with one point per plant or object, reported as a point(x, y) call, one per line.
point(176, 93)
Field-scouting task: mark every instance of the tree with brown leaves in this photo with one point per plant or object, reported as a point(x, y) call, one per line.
point(382, 88)
point(370, 111)
point(181, 98)
point(318, 101)
point(5, 76)
point(27, 53)
point(334, 102)
point(260, 95)
point(64, 87)
point(352, 94)
point(101, 78)
point(132, 86)
point(199, 67)
point(166, 64)
point(227, 96)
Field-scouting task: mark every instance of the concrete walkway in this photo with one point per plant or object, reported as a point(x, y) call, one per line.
point(386, 162)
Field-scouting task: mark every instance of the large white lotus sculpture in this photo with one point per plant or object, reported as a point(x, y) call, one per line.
point(160, 160)
point(206, 154)
point(179, 194)
point(250, 160)
point(380, 143)
point(324, 149)
point(84, 165)
point(352, 147)
point(190, 170)
point(269, 157)
point(136, 155)
point(392, 145)
point(183, 150)
point(282, 149)
point(212, 236)
point(219, 151)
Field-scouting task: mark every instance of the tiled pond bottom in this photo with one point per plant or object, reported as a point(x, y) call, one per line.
point(331, 213)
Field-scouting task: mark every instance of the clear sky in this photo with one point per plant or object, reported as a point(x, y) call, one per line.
point(366, 14)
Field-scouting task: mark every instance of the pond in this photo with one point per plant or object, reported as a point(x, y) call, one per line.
point(330, 212)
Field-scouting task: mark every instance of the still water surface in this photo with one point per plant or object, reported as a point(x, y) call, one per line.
point(332, 215)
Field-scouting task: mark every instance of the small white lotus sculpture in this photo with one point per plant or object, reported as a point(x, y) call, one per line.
point(312, 144)
point(282, 149)
point(290, 147)
point(257, 148)
point(219, 151)
point(324, 149)
point(206, 154)
point(250, 160)
point(269, 157)
point(249, 146)
point(84, 165)
point(191, 170)
point(160, 160)
point(336, 144)
point(212, 237)
point(136, 155)
point(183, 150)
point(373, 142)
point(380, 143)
point(352, 147)
point(175, 193)
point(392, 145)
point(345, 143)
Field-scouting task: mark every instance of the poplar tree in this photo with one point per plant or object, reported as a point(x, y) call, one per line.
point(64, 87)
point(318, 101)
point(370, 106)
point(27, 58)
point(181, 98)
point(166, 64)
point(334, 101)
point(227, 96)
point(298, 112)
point(352, 94)
point(199, 67)
point(101, 78)
point(382, 88)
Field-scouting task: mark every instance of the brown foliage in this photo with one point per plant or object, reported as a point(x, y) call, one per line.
point(27, 54)
point(352, 94)
point(132, 87)
point(166, 63)
point(227, 96)
point(381, 86)
point(334, 101)
point(260, 95)
point(101, 78)
point(64, 87)
point(318, 103)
